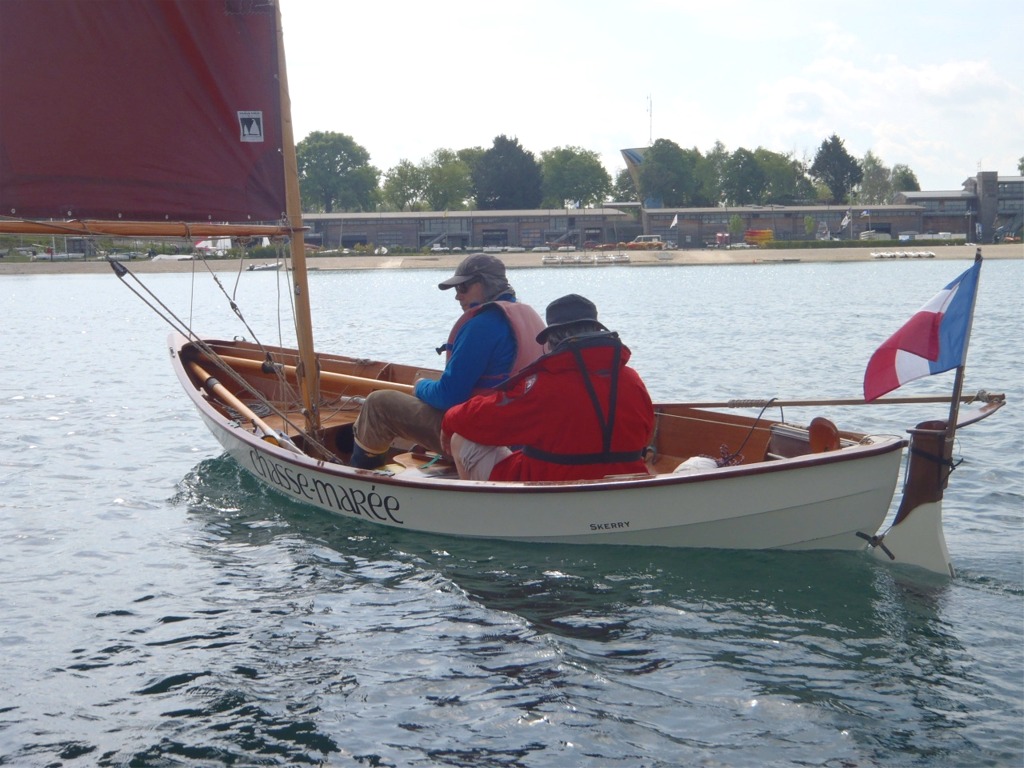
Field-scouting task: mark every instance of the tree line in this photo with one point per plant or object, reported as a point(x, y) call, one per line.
point(336, 175)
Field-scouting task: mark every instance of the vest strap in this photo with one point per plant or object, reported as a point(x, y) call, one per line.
point(576, 459)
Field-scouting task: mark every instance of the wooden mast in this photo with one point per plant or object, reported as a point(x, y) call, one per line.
point(309, 373)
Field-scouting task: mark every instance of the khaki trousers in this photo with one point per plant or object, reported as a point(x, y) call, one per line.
point(387, 415)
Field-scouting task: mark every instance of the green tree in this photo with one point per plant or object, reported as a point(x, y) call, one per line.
point(1020, 165)
point(403, 186)
point(745, 181)
point(507, 177)
point(572, 174)
point(624, 190)
point(471, 157)
point(785, 177)
point(836, 168)
point(668, 174)
point(700, 196)
point(820, 192)
point(335, 173)
point(711, 175)
point(362, 191)
point(448, 184)
point(904, 179)
point(876, 181)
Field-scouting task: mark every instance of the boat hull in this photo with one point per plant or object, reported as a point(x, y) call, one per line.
point(806, 502)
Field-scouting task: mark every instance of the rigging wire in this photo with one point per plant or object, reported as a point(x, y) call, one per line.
point(153, 301)
point(283, 259)
point(233, 304)
point(165, 313)
point(269, 365)
point(238, 277)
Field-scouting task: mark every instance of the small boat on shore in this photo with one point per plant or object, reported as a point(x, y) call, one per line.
point(903, 254)
point(583, 259)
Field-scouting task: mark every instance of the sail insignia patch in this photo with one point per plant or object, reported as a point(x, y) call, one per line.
point(250, 125)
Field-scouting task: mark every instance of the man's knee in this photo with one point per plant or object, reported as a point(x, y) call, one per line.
point(382, 400)
point(373, 429)
point(475, 461)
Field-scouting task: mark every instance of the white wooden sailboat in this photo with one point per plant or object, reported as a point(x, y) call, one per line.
point(795, 488)
point(279, 412)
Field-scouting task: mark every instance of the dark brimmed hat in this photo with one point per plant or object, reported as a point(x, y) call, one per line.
point(477, 266)
point(566, 311)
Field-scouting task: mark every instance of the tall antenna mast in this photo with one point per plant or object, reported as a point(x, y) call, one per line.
point(650, 121)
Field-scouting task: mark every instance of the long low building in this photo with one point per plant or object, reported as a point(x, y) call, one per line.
point(988, 208)
point(474, 229)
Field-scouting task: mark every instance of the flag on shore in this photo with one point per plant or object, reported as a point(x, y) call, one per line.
point(675, 221)
point(932, 341)
point(846, 221)
point(864, 213)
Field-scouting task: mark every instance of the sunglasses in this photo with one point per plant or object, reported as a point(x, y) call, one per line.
point(464, 287)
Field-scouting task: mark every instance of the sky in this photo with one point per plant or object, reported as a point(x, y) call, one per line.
point(935, 85)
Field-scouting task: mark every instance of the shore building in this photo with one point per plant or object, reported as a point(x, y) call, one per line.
point(989, 208)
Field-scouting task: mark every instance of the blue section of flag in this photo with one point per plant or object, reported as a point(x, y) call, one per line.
point(932, 341)
point(956, 320)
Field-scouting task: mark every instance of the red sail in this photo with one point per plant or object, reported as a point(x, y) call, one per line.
point(149, 110)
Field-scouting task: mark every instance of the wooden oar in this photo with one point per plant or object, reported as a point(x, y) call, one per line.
point(979, 396)
point(242, 363)
point(214, 387)
point(326, 377)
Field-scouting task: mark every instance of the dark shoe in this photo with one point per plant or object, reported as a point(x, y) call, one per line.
point(344, 441)
point(363, 460)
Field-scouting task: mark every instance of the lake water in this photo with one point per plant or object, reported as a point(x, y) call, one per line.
point(159, 608)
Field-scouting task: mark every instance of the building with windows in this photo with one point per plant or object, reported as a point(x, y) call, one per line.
point(699, 227)
point(989, 208)
point(473, 230)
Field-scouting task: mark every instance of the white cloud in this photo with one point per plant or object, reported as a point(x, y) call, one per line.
point(936, 87)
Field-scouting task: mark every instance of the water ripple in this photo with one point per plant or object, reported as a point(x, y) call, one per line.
point(161, 608)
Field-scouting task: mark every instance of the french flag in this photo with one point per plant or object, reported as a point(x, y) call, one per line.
point(933, 340)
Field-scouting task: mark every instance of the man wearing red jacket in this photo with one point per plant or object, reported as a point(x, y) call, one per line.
point(577, 413)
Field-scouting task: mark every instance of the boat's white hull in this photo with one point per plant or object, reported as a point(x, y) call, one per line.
point(788, 504)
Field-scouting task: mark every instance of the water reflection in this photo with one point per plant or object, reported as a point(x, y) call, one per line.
point(836, 637)
point(548, 583)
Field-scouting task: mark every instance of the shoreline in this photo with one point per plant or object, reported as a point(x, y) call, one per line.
point(528, 259)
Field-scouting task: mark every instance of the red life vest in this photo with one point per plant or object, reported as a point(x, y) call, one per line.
point(575, 422)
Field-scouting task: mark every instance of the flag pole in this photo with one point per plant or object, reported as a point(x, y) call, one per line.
point(958, 381)
point(915, 536)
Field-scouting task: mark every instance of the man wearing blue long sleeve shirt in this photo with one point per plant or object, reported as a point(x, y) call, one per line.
point(493, 338)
